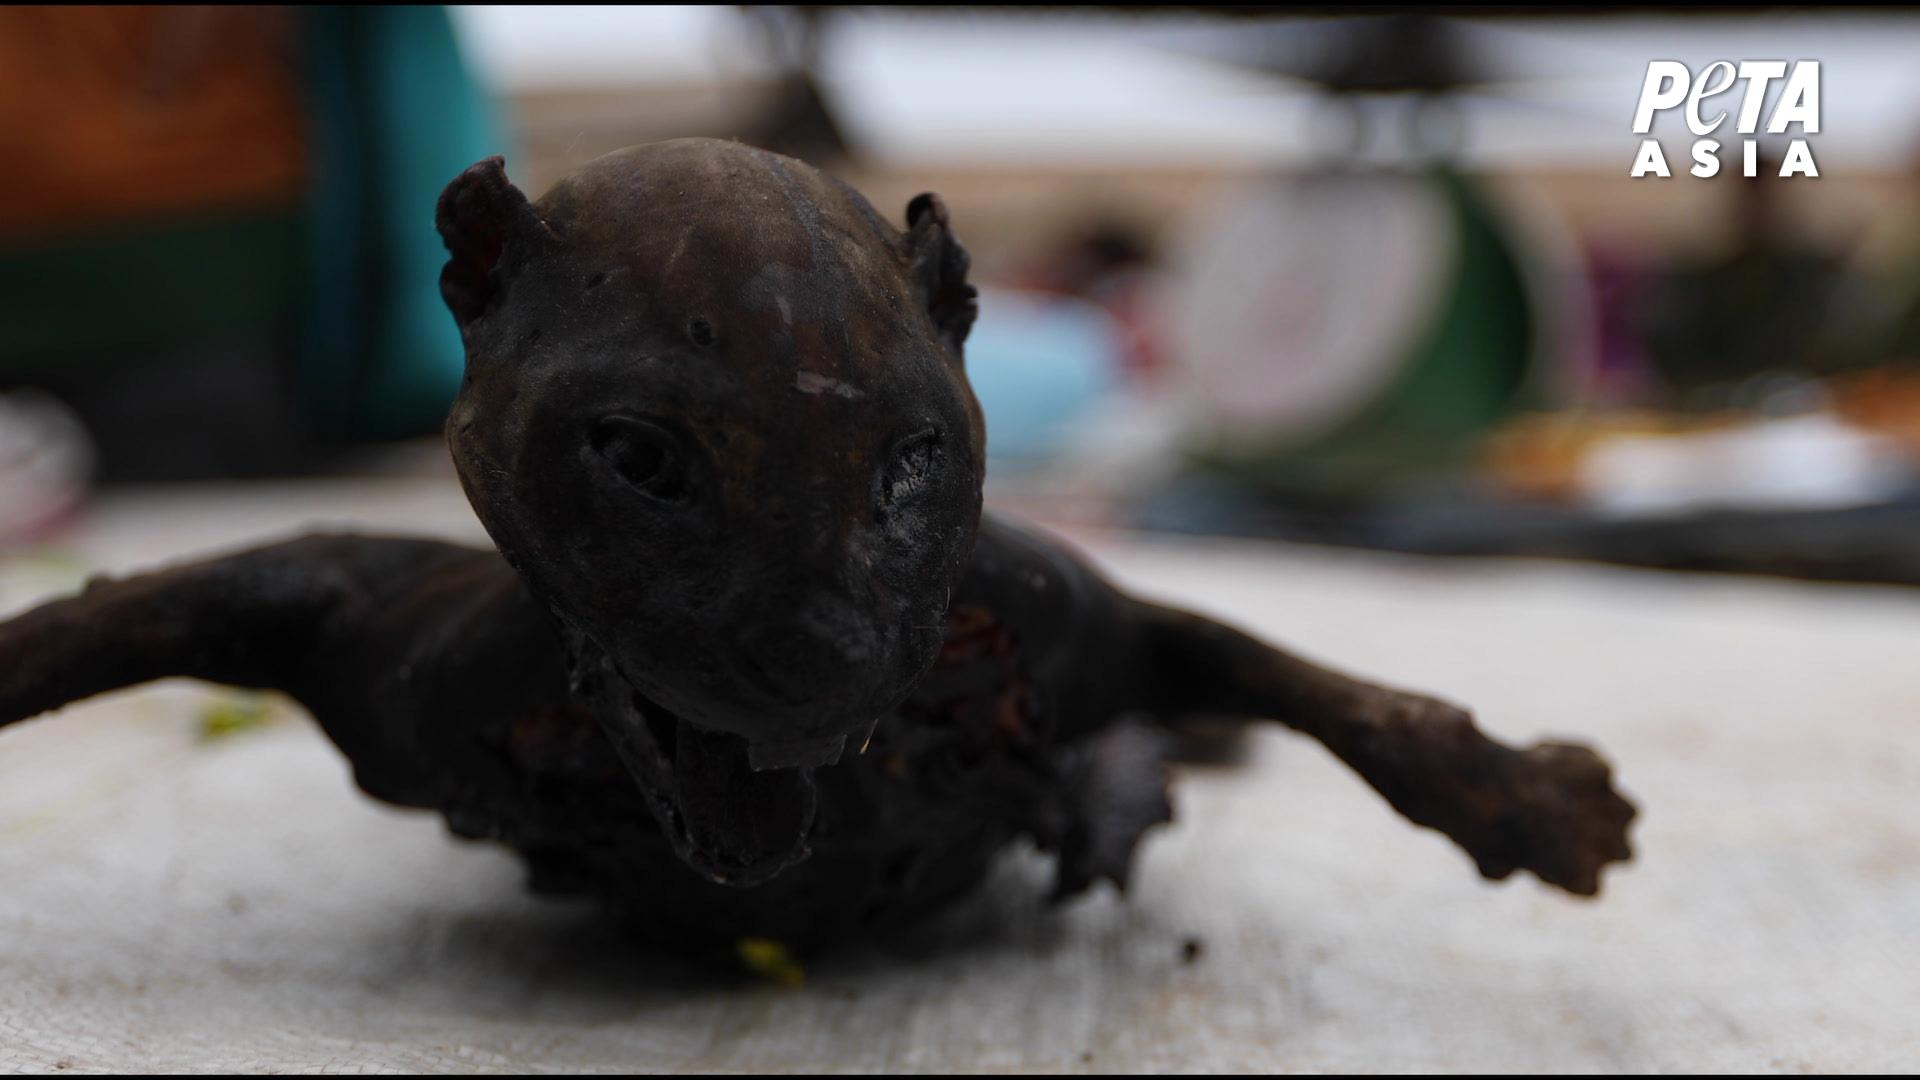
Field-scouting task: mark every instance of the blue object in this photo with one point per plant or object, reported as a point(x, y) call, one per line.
point(1038, 363)
point(395, 114)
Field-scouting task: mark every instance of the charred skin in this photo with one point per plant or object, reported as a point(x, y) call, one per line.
point(450, 687)
point(716, 416)
point(749, 660)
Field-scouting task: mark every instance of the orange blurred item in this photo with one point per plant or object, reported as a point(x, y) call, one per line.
point(1539, 455)
point(111, 114)
point(1885, 401)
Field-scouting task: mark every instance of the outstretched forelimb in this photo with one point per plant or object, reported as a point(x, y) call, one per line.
point(1550, 808)
point(246, 620)
point(390, 643)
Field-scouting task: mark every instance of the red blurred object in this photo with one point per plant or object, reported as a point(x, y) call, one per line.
point(1109, 265)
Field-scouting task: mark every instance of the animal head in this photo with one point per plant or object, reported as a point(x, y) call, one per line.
point(715, 414)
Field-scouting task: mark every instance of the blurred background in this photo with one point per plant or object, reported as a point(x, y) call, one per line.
point(1328, 287)
point(1375, 280)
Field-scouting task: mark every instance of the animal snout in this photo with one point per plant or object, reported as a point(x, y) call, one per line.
point(820, 650)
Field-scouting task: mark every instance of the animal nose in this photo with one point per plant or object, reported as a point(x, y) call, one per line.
point(819, 651)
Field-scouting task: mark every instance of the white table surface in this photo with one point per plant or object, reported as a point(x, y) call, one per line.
point(173, 904)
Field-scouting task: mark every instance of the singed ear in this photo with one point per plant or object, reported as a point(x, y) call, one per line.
point(487, 224)
point(939, 265)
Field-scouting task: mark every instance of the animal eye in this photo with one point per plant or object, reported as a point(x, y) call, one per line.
point(911, 470)
point(646, 456)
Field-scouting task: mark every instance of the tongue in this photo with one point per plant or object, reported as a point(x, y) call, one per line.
point(747, 825)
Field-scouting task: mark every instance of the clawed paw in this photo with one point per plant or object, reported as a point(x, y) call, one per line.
point(1550, 809)
point(1554, 812)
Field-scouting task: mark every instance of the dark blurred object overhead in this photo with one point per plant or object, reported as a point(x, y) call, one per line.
point(1270, 12)
point(1381, 55)
point(798, 123)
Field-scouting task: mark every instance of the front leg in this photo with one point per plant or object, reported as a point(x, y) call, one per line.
point(386, 641)
point(245, 619)
point(1550, 808)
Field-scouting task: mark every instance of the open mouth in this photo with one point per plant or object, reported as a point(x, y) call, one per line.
point(731, 823)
